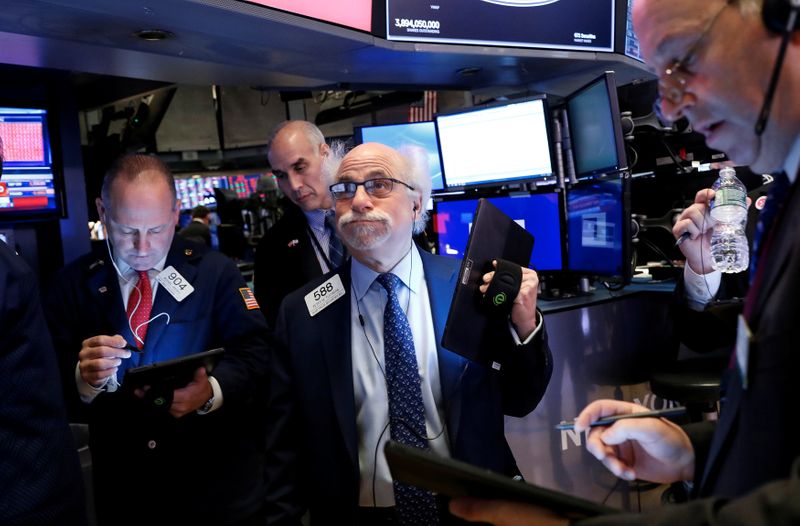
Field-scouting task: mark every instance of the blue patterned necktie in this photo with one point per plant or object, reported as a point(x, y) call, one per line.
point(406, 411)
point(777, 192)
point(336, 252)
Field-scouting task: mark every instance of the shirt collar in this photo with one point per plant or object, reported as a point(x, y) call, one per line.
point(793, 161)
point(126, 269)
point(408, 269)
point(316, 218)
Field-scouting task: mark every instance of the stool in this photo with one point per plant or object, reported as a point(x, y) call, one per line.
point(694, 383)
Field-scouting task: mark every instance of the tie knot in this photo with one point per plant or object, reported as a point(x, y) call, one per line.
point(330, 221)
point(143, 275)
point(389, 281)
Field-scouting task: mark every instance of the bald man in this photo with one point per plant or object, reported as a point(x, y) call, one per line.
point(339, 360)
point(298, 248)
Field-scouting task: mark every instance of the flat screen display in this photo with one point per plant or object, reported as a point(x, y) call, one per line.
point(595, 128)
point(631, 40)
point(538, 213)
point(495, 145)
point(243, 184)
point(356, 14)
point(28, 182)
point(416, 140)
point(598, 229)
point(558, 24)
point(199, 190)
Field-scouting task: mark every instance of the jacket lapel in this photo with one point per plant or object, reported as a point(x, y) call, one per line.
point(781, 248)
point(440, 277)
point(103, 288)
point(164, 302)
point(335, 324)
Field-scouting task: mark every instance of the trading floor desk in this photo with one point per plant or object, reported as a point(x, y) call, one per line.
point(604, 345)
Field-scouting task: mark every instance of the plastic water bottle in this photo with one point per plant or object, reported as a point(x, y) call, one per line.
point(729, 248)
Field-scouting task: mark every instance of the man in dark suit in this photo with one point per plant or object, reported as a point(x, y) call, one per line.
point(196, 455)
point(198, 230)
point(336, 371)
point(714, 60)
point(40, 478)
point(297, 248)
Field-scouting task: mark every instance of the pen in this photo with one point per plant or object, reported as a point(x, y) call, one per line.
point(132, 348)
point(608, 420)
point(684, 237)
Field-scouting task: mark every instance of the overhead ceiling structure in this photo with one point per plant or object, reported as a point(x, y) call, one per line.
point(235, 43)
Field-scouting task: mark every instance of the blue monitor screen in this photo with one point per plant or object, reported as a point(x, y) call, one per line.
point(416, 140)
point(595, 128)
point(539, 214)
point(598, 229)
point(28, 180)
point(495, 145)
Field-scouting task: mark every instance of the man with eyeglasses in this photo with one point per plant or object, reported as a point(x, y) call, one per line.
point(716, 63)
point(345, 340)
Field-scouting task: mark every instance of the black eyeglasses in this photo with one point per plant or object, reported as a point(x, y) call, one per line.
point(380, 187)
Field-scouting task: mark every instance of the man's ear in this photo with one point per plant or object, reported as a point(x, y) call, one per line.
point(101, 209)
point(324, 150)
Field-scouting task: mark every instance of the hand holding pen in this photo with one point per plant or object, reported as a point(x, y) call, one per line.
point(653, 449)
point(608, 420)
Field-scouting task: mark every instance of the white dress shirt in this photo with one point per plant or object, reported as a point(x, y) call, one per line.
point(372, 402)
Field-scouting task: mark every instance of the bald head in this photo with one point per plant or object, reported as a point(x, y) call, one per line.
point(302, 164)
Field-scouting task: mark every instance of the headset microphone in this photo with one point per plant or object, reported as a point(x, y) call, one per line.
point(791, 21)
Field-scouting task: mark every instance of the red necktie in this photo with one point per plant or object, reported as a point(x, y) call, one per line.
point(140, 303)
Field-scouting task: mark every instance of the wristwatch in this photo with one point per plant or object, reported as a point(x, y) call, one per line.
point(205, 408)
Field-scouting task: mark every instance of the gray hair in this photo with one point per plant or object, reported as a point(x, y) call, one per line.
point(416, 173)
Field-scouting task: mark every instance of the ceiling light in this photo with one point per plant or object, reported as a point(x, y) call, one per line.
point(153, 35)
point(468, 71)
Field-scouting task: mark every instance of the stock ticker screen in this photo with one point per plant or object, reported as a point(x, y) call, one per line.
point(28, 178)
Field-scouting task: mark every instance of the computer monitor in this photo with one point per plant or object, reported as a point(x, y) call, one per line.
point(595, 128)
point(199, 190)
point(586, 25)
point(540, 213)
point(598, 228)
point(495, 145)
point(29, 186)
point(416, 140)
point(244, 184)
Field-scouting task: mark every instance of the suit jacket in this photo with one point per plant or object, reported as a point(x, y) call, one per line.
point(314, 443)
point(203, 467)
point(752, 453)
point(285, 261)
point(40, 478)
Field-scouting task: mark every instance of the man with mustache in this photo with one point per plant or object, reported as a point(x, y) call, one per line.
point(302, 245)
point(338, 361)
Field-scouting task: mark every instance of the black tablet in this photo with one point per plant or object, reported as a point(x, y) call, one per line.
point(173, 373)
point(494, 235)
point(454, 478)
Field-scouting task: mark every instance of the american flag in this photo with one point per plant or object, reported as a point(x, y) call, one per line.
point(249, 299)
point(420, 112)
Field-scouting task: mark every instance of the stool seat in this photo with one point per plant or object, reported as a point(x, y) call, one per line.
point(687, 387)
